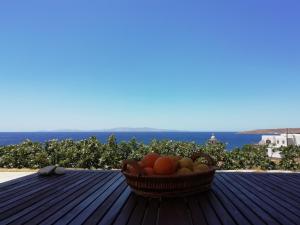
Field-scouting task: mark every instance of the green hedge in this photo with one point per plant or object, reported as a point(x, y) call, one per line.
point(91, 153)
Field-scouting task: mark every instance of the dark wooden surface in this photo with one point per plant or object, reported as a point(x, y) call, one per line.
point(102, 197)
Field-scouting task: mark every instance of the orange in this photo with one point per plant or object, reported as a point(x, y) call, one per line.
point(164, 166)
point(175, 160)
point(141, 164)
point(149, 159)
point(148, 171)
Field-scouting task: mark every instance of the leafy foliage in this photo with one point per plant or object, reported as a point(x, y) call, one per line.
point(248, 157)
point(290, 158)
point(91, 153)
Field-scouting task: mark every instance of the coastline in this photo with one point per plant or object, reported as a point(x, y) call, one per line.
point(272, 131)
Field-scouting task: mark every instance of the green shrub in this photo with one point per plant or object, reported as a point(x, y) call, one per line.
point(290, 158)
point(248, 157)
point(216, 151)
point(91, 153)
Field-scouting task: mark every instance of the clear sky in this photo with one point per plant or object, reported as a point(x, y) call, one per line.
point(188, 65)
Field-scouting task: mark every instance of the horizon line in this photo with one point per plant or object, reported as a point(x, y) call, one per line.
point(117, 131)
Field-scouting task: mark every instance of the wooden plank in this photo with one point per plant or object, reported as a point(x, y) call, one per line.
point(267, 185)
point(69, 200)
point(110, 216)
point(284, 185)
point(284, 206)
point(18, 203)
point(235, 212)
point(294, 175)
point(279, 192)
point(220, 210)
point(24, 186)
point(85, 208)
point(266, 211)
point(126, 211)
point(293, 178)
point(273, 208)
point(197, 214)
point(51, 201)
point(50, 207)
point(104, 198)
point(101, 203)
point(238, 202)
point(15, 182)
point(174, 212)
point(24, 182)
point(151, 213)
point(100, 212)
point(22, 195)
point(210, 215)
point(137, 215)
point(286, 182)
point(283, 182)
point(270, 184)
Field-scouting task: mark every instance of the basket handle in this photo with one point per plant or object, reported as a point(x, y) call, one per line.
point(210, 161)
point(132, 163)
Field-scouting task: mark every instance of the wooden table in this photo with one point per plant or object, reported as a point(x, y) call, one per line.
point(103, 197)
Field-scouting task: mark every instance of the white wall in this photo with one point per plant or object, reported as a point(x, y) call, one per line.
point(277, 141)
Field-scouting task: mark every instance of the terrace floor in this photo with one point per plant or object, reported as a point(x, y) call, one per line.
point(103, 197)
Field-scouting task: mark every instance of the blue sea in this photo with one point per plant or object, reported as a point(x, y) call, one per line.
point(232, 139)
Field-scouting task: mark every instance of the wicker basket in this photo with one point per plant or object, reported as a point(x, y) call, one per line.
point(172, 185)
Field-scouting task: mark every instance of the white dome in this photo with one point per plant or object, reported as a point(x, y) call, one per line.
point(213, 137)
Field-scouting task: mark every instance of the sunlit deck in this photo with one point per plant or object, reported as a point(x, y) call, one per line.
point(103, 197)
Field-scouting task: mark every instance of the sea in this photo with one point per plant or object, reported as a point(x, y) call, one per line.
point(231, 139)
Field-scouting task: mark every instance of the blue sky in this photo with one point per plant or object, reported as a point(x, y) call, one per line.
point(187, 65)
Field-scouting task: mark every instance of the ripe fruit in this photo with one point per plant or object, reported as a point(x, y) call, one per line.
point(148, 171)
point(175, 160)
point(164, 166)
point(186, 163)
point(141, 164)
point(182, 171)
point(149, 159)
point(132, 170)
point(200, 167)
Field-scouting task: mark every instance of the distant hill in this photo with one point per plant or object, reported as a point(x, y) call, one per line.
point(272, 131)
point(136, 129)
point(117, 129)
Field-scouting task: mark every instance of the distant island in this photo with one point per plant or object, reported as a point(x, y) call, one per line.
point(118, 129)
point(272, 131)
point(135, 129)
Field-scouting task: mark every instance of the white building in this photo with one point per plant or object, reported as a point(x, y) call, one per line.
point(276, 141)
point(213, 139)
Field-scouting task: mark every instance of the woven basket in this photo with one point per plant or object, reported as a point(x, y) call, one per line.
point(157, 186)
